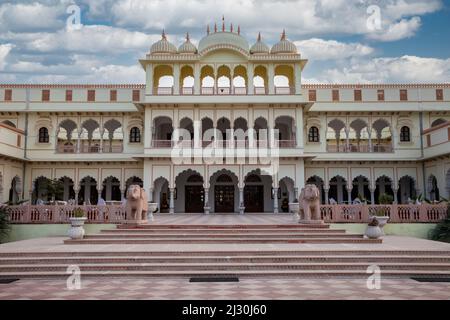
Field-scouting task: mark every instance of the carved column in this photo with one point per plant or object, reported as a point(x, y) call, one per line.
point(250, 86)
point(172, 201)
point(275, 200)
point(395, 194)
point(241, 198)
point(296, 193)
point(372, 195)
point(326, 195)
point(206, 205)
point(197, 79)
point(349, 194)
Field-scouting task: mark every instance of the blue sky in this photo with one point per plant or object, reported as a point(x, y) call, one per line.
point(406, 42)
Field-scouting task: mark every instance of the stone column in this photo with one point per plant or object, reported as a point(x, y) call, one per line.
point(298, 77)
point(299, 128)
point(206, 208)
point(102, 131)
point(295, 193)
point(326, 195)
point(197, 80)
point(241, 198)
point(275, 200)
point(172, 201)
point(349, 194)
point(347, 139)
point(149, 79)
point(250, 86)
point(369, 131)
point(77, 191)
point(271, 75)
point(176, 79)
point(395, 194)
point(78, 140)
point(150, 195)
point(372, 195)
point(122, 193)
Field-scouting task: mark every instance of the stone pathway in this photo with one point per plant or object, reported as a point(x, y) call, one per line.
point(173, 289)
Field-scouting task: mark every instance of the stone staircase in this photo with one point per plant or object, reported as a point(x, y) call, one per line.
point(264, 250)
point(231, 233)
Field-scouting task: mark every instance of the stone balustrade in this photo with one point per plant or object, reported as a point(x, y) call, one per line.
point(398, 213)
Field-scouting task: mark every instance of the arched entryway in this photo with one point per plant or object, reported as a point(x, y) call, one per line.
point(257, 192)
point(318, 181)
point(225, 196)
point(287, 193)
point(433, 188)
point(383, 186)
point(406, 190)
point(361, 189)
point(161, 194)
point(15, 191)
point(111, 189)
point(190, 192)
point(338, 190)
point(88, 191)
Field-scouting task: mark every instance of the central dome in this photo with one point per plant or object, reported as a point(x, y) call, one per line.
point(223, 40)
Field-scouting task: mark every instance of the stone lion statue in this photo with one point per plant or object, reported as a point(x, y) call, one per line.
point(310, 203)
point(137, 204)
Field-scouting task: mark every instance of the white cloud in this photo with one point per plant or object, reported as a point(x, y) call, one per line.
point(92, 39)
point(30, 16)
point(400, 30)
point(407, 69)
point(5, 49)
point(319, 49)
point(299, 17)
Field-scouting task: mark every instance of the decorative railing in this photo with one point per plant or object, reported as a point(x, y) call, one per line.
point(224, 143)
point(61, 148)
point(209, 91)
point(401, 213)
point(363, 148)
point(397, 213)
point(61, 213)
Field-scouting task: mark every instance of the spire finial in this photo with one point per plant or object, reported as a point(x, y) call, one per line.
point(283, 35)
point(215, 27)
point(207, 29)
point(231, 28)
point(163, 35)
point(187, 36)
point(239, 29)
point(259, 36)
point(223, 23)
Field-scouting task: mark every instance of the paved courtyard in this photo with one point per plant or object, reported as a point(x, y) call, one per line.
point(174, 289)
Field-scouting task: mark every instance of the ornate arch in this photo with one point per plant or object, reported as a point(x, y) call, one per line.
point(218, 173)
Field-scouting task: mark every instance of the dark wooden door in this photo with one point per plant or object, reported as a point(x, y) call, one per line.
point(254, 198)
point(224, 199)
point(194, 199)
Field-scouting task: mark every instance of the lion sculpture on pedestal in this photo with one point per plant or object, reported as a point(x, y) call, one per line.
point(309, 202)
point(137, 204)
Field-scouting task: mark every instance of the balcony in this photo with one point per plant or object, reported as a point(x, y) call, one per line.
point(436, 140)
point(11, 141)
point(284, 144)
point(69, 148)
point(362, 148)
point(217, 91)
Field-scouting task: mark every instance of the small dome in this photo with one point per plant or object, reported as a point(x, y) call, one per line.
point(259, 46)
point(187, 47)
point(284, 46)
point(163, 46)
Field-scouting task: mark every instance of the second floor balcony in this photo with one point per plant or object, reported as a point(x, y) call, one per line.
point(93, 148)
point(361, 148)
point(210, 91)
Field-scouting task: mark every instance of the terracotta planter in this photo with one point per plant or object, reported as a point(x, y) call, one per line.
point(382, 222)
point(76, 231)
point(373, 232)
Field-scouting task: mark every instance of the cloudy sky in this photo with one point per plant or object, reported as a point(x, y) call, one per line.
point(346, 41)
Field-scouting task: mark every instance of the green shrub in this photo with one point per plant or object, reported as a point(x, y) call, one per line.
point(4, 222)
point(442, 230)
point(79, 213)
point(384, 198)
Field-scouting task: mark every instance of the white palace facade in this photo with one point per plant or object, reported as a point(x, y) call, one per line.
point(352, 140)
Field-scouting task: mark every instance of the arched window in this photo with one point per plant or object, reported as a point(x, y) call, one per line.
point(43, 135)
point(405, 134)
point(313, 134)
point(135, 134)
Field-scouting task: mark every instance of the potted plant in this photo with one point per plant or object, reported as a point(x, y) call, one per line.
point(241, 208)
point(294, 207)
point(373, 230)
point(76, 230)
point(380, 213)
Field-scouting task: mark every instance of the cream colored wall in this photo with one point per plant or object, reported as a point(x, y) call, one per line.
point(440, 168)
point(8, 170)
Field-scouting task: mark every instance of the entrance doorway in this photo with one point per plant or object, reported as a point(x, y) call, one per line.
point(194, 199)
point(254, 198)
point(224, 198)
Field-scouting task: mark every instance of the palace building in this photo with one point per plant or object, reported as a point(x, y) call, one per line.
point(351, 140)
